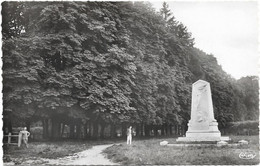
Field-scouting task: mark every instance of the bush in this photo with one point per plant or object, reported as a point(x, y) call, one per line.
point(36, 133)
point(243, 128)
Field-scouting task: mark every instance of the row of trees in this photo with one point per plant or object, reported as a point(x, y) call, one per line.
point(108, 63)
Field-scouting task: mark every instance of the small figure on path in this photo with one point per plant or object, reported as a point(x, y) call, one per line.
point(129, 135)
point(25, 134)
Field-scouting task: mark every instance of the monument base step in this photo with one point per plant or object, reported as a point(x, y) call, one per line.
point(201, 145)
point(202, 139)
point(225, 139)
point(201, 134)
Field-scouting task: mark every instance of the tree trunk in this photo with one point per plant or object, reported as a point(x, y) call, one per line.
point(142, 129)
point(180, 130)
point(112, 130)
point(28, 125)
point(87, 130)
point(72, 131)
point(55, 129)
point(45, 126)
point(162, 130)
point(176, 129)
point(147, 130)
point(48, 122)
point(166, 128)
point(78, 131)
point(137, 130)
point(10, 128)
point(170, 129)
point(95, 130)
point(62, 129)
point(7, 123)
point(124, 129)
point(90, 130)
point(102, 131)
point(155, 128)
point(185, 128)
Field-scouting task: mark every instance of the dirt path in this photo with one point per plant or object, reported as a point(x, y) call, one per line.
point(91, 156)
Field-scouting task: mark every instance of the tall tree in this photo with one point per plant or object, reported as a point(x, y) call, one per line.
point(166, 12)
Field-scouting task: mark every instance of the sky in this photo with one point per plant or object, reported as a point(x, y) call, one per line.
point(226, 29)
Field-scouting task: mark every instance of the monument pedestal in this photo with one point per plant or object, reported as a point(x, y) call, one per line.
point(195, 133)
point(212, 134)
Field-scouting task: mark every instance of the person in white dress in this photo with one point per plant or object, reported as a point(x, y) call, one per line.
point(129, 136)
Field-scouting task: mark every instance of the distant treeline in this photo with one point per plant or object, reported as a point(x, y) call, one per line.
point(95, 64)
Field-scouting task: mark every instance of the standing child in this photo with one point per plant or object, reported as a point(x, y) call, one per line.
point(25, 134)
point(129, 136)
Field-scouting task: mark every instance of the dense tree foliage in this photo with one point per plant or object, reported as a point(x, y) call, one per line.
point(249, 96)
point(13, 22)
point(111, 63)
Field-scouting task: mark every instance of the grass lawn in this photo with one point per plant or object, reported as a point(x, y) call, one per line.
point(143, 152)
point(49, 150)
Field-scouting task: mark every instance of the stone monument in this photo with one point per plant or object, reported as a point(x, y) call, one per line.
point(202, 125)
